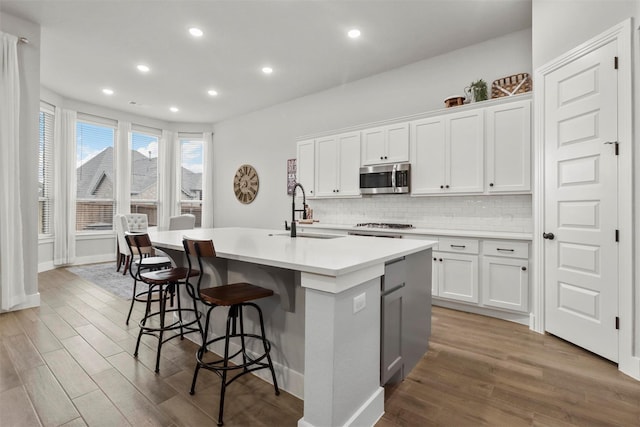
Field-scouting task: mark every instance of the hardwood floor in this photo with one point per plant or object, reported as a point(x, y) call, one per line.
point(69, 362)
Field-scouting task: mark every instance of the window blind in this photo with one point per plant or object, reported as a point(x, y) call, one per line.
point(45, 171)
point(94, 176)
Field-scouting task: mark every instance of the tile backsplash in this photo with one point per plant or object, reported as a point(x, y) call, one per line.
point(511, 213)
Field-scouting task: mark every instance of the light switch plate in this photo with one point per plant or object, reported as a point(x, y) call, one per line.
point(359, 302)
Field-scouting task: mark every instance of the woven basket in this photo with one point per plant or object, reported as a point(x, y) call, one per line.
point(511, 85)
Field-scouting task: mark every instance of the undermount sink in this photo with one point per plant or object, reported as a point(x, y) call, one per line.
point(309, 235)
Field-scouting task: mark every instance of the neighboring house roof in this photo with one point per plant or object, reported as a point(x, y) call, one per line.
point(98, 171)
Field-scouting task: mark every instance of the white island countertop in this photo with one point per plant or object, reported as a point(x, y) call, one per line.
point(326, 256)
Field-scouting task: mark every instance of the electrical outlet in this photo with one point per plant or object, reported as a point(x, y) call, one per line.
point(359, 302)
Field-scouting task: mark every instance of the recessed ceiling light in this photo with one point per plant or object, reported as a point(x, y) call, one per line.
point(143, 68)
point(195, 32)
point(267, 70)
point(354, 34)
point(174, 109)
point(107, 91)
point(212, 92)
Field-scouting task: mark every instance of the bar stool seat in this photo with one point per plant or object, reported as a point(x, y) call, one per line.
point(164, 283)
point(236, 296)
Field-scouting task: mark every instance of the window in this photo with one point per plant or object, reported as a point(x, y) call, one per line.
point(94, 175)
point(45, 170)
point(144, 175)
point(191, 162)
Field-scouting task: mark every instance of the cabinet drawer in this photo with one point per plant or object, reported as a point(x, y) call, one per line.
point(465, 246)
point(505, 248)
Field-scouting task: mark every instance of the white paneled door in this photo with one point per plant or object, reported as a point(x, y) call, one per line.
point(581, 169)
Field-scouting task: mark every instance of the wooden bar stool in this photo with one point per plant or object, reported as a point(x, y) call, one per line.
point(148, 261)
point(164, 283)
point(236, 296)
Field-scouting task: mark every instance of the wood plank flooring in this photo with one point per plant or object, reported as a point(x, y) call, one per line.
point(69, 362)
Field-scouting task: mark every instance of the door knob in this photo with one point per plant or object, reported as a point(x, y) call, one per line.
point(549, 236)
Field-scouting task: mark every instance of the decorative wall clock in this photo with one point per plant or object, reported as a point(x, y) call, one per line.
point(246, 184)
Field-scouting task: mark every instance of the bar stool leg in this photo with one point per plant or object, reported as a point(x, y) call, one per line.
point(201, 351)
point(267, 350)
point(133, 300)
point(225, 362)
point(143, 322)
point(177, 291)
point(244, 348)
point(163, 307)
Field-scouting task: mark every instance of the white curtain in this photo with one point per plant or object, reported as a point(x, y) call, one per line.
point(207, 181)
point(166, 178)
point(123, 168)
point(64, 177)
point(11, 232)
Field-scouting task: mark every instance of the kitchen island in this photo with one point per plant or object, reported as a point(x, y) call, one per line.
point(339, 308)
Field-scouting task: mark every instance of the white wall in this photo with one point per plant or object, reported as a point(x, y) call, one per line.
point(29, 63)
point(266, 138)
point(559, 26)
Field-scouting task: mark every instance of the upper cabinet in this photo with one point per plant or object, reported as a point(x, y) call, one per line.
point(508, 147)
point(447, 153)
point(337, 165)
point(306, 166)
point(385, 144)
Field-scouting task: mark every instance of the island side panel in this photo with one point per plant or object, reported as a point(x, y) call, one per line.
point(417, 313)
point(342, 357)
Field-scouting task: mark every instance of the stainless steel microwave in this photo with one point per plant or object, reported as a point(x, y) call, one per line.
point(385, 179)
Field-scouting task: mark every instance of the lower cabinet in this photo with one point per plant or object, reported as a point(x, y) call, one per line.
point(457, 276)
point(391, 324)
point(505, 283)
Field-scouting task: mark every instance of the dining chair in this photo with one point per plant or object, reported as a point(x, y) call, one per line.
point(182, 222)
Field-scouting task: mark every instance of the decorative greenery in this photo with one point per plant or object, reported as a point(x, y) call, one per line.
point(479, 90)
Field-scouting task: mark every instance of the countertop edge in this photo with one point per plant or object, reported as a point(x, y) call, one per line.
point(480, 234)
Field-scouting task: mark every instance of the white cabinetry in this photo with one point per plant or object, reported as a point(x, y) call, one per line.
point(306, 166)
point(508, 147)
point(337, 165)
point(457, 265)
point(385, 144)
point(505, 275)
point(448, 153)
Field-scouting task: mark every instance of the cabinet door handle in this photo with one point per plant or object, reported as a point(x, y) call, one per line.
point(504, 250)
point(446, 186)
point(491, 184)
point(381, 158)
point(524, 268)
point(435, 259)
point(442, 186)
point(458, 246)
point(440, 259)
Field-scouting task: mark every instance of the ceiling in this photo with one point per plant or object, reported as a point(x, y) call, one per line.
point(89, 45)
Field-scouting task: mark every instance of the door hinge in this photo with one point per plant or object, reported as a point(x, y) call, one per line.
point(615, 62)
point(617, 322)
point(617, 235)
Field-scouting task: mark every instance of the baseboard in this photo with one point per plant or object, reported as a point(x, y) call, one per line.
point(45, 266)
point(33, 300)
point(631, 367)
point(92, 259)
point(521, 318)
point(367, 414)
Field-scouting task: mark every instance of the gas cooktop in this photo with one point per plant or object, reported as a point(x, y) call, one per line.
point(383, 225)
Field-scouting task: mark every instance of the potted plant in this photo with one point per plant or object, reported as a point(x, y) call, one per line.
point(478, 91)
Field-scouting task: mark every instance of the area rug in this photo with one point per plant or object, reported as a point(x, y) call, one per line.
point(105, 276)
